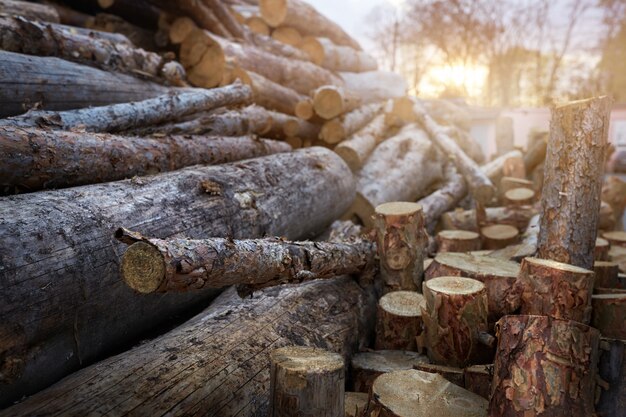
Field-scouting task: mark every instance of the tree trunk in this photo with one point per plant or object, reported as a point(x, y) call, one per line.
point(325, 53)
point(56, 84)
point(477, 379)
point(86, 310)
point(498, 275)
point(336, 130)
point(445, 198)
point(306, 381)
point(357, 148)
point(402, 168)
point(606, 275)
point(417, 393)
point(28, 10)
point(269, 94)
point(401, 240)
point(498, 236)
point(609, 311)
point(494, 170)
point(518, 217)
point(216, 364)
point(367, 366)
point(555, 289)
point(452, 374)
point(612, 371)
point(399, 320)
point(544, 367)
point(454, 315)
point(458, 241)
point(35, 159)
point(573, 181)
point(356, 403)
point(127, 116)
point(226, 18)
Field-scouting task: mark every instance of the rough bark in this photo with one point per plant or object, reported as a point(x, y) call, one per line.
point(367, 366)
point(494, 169)
point(454, 315)
point(401, 240)
point(498, 236)
point(606, 275)
point(126, 116)
point(139, 36)
point(612, 373)
point(356, 403)
point(269, 94)
point(357, 148)
point(498, 276)
point(288, 35)
point(325, 53)
point(336, 130)
point(518, 217)
point(445, 198)
point(544, 367)
point(28, 10)
point(306, 381)
point(555, 289)
point(452, 374)
point(477, 379)
point(574, 170)
point(60, 273)
point(216, 364)
point(35, 159)
point(458, 241)
point(399, 321)
point(609, 311)
point(417, 393)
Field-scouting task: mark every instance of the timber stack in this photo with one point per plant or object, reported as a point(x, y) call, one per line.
point(226, 208)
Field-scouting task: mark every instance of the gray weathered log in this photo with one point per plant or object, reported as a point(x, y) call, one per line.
point(29, 10)
point(445, 198)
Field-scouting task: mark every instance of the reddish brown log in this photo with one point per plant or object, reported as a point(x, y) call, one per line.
point(495, 169)
point(367, 366)
point(601, 250)
point(28, 10)
point(518, 217)
point(609, 311)
point(605, 274)
point(477, 379)
point(498, 236)
point(458, 241)
point(356, 403)
point(269, 94)
point(327, 54)
point(399, 320)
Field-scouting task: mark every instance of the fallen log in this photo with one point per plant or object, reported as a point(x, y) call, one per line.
point(399, 320)
point(269, 94)
point(336, 130)
point(452, 374)
point(445, 198)
point(458, 241)
point(28, 10)
point(357, 148)
point(574, 171)
point(75, 257)
point(527, 247)
point(142, 38)
point(288, 35)
point(325, 53)
point(494, 169)
point(609, 311)
point(330, 101)
point(367, 366)
point(518, 217)
point(215, 364)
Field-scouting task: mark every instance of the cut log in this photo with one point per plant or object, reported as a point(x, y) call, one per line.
point(614, 193)
point(24, 85)
point(445, 198)
point(527, 247)
point(306, 381)
point(454, 315)
point(601, 250)
point(519, 197)
point(289, 36)
point(518, 217)
point(201, 14)
point(401, 168)
point(304, 109)
point(618, 254)
point(510, 183)
point(139, 36)
point(467, 144)
point(336, 130)
point(203, 59)
point(367, 366)
point(401, 240)
point(356, 403)
point(28, 10)
point(606, 274)
point(417, 393)
point(126, 116)
point(257, 25)
point(555, 289)
point(216, 364)
point(498, 275)
point(615, 238)
point(574, 170)
point(35, 159)
point(452, 374)
point(325, 53)
point(544, 367)
point(374, 86)
point(536, 154)
point(293, 126)
point(86, 301)
point(304, 18)
point(612, 371)
point(458, 241)
point(477, 379)
point(357, 148)
point(226, 18)
point(514, 167)
point(494, 170)
point(498, 236)
point(609, 311)
point(399, 321)
point(330, 101)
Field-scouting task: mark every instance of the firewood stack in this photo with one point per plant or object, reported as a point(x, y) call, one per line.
point(154, 153)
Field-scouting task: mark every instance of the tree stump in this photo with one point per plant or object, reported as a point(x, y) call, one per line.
point(611, 398)
point(517, 217)
point(601, 250)
point(499, 236)
point(519, 197)
point(416, 393)
point(606, 274)
point(555, 289)
point(615, 238)
point(455, 314)
point(452, 374)
point(477, 379)
point(367, 366)
point(609, 311)
point(306, 382)
point(355, 403)
point(399, 320)
point(458, 241)
point(401, 240)
point(544, 367)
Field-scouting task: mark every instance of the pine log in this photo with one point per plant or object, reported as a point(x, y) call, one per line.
point(269, 94)
point(126, 116)
point(445, 198)
point(573, 181)
point(85, 310)
point(535, 155)
point(417, 393)
point(509, 183)
point(200, 13)
point(494, 169)
point(399, 112)
point(458, 241)
point(357, 148)
point(498, 236)
point(216, 364)
point(304, 109)
point(527, 247)
point(367, 366)
point(28, 10)
point(374, 86)
point(293, 126)
point(43, 81)
point(257, 25)
point(518, 217)
point(519, 197)
point(615, 238)
point(401, 240)
point(614, 193)
point(330, 101)
point(289, 36)
point(34, 159)
point(336, 130)
point(555, 289)
point(306, 381)
point(601, 250)
point(401, 168)
point(477, 379)
point(606, 275)
point(325, 53)
point(618, 254)
point(274, 47)
point(452, 374)
point(609, 311)
point(399, 321)
point(612, 371)
point(304, 18)
point(544, 367)
point(226, 18)
point(454, 315)
point(355, 403)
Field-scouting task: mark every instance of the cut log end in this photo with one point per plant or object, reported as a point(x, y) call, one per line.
point(402, 303)
point(458, 241)
point(328, 102)
point(617, 237)
point(274, 12)
point(554, 265)
point(519, 196)
point(143, 267)
point(455, 285)
point(398, 208)
point(306, 359)
point(498, 236)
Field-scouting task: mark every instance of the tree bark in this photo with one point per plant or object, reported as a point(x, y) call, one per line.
point(445, 198)
point(35, 159)
point(325, 53)
point(477, 379)
point(336, 130)
point(367, 366)
point(357, 148)
point(55, 84)
point(606, 275)
point(399, 320)
point(85, 310)
point(306, 381)
point(458, 241)
point(573, 181)
point(28, 10)
point(269, 94)
point(498, 236)
point(330, 101)
point(544, 367)
point(216, 364)
point(609, 311)
point(356, 403)
point(555, 289)
point(450, 373)
point(612, 371)
point(518, 217)
point(454, 315)
point(535, 155)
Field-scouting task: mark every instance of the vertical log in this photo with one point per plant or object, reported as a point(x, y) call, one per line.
point(399, 320)
point(458, 241)
point(498, 236)
point(477, 379)
point(606, 274)
point(367, 366)
point(609, 311)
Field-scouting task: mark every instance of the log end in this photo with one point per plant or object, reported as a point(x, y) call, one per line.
point(398, 208)
point(143, 267)
point(300, 359)
point(273, 12)
point(403, 303)
point(454, 285)
point(328, 102)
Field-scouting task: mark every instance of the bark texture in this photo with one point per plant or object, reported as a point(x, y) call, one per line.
point(447, 196)
point(606, 274)
point(477, 379)
point(399, 321)
point(609, 311)
point(325, 53)
point(573, 175)
point(338, 129)
point(355, 403)
point(458, 241)
point(357, 148)
point(29, 10)
point(367, 366)
point(518, 217)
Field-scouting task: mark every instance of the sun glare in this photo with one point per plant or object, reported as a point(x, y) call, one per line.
point(466, 79)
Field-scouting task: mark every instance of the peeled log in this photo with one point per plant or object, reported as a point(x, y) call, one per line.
point(498, 236)
point(88, 301)
point(574, 170)
point(609, 311)
point(518, 217)
point(544, 367)
point(325, 53)
point(338, 129)
point(216, 364)
point(29, 10)
point(357, 148)
point(399, 320)
point(35, 159)
point(367, 366)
